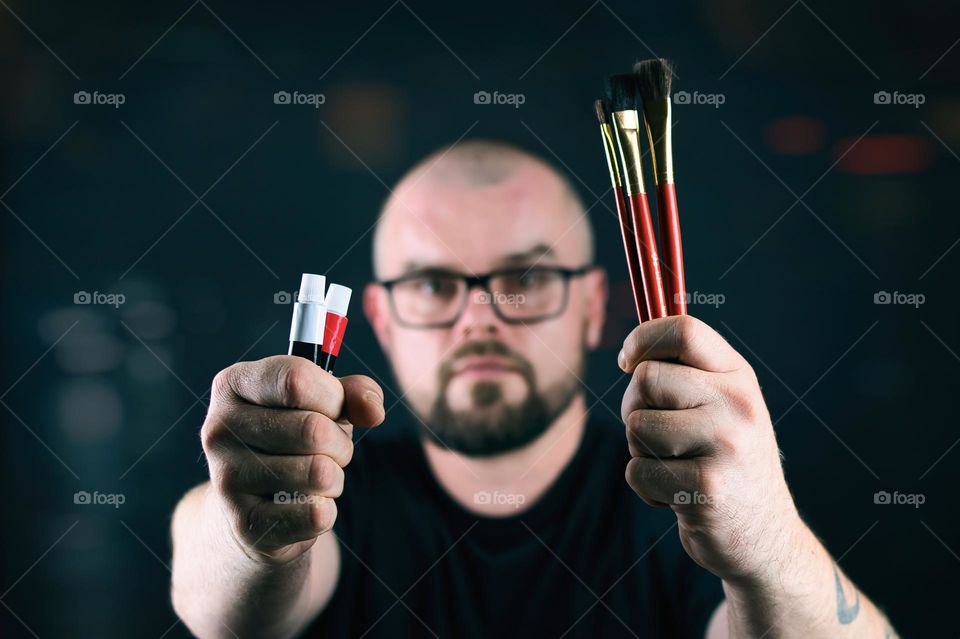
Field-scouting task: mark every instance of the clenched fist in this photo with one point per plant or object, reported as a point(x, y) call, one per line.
point(702, 443)
point(282, 425)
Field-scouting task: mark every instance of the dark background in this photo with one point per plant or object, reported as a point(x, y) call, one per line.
point(97, 198)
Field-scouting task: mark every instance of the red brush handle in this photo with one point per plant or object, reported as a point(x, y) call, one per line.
point(671, 249)
point(633, 260)
point(647, 251)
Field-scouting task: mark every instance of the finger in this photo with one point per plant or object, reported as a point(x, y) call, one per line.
point(666, 385)
point(658, 482)
point(282, 381)
point(682, 338)
point(270, 475)
point(363, 401)
point(671, 433)
point(281, 431)
point(267, 525)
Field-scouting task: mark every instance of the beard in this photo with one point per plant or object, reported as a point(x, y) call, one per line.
point(491, 425)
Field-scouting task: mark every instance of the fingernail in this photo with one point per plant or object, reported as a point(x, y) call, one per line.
point(374, 398)
point(622, 360)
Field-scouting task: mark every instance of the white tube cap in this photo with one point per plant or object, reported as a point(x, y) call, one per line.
point(311, 288)
point(338, 299)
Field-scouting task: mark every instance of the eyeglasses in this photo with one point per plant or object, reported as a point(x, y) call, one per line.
point(437, 298)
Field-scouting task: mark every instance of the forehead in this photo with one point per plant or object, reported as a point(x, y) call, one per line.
point(475, 227)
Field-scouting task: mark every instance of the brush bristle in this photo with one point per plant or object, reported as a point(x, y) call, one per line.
point(621, 92)
point(653, 78)
point(601, 110)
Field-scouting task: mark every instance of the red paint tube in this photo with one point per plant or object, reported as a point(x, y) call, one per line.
point(337, 301)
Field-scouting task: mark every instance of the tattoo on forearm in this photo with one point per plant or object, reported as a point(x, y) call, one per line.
point(845, 612)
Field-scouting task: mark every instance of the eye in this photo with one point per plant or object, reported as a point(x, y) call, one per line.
point(432, 286)
point(531, 279)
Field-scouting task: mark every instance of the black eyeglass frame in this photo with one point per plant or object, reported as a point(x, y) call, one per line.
point(483, 281)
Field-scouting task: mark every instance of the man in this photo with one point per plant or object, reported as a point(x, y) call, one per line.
point(503, 512)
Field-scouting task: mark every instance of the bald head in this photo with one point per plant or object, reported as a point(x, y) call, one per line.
point(472, 203)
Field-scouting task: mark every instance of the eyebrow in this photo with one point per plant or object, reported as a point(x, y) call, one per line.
point(534, 253)
point(413, 266)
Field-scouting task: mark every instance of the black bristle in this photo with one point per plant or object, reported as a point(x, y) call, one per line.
point(621, 92)
point(653, 78)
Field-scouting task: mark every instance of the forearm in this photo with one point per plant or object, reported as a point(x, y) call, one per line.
point(220, 591)
point(804, 595)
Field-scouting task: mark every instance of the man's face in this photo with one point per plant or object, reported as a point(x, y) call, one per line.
point(483, 385)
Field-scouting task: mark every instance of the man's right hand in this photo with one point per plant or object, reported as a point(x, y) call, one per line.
point(282, 425)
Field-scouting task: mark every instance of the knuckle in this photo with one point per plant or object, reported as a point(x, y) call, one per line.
point(686, 329)
point(227, 480)
point(244, 523)
point(324, 513)
point(642, 423)
point(745, 404)
point(313, 433)
point(222, 387)
point(292, 382)
point(646, 377)
point(208, 435)
point(321, 435)
point(321, 473)
point(212, 434)
point(347, 454)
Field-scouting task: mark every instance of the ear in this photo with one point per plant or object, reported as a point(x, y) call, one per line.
point(597, 292)
point(376, 309)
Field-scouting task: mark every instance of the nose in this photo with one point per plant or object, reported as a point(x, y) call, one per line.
point(478, 316)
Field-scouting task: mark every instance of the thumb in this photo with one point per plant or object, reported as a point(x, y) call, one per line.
point(362, 401)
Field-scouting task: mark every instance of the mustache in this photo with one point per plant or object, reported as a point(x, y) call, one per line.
point(485, 347)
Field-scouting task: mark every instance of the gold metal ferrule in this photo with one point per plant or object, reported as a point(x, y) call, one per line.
point(658, 117)
point(611, 153)
point(626, 126)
